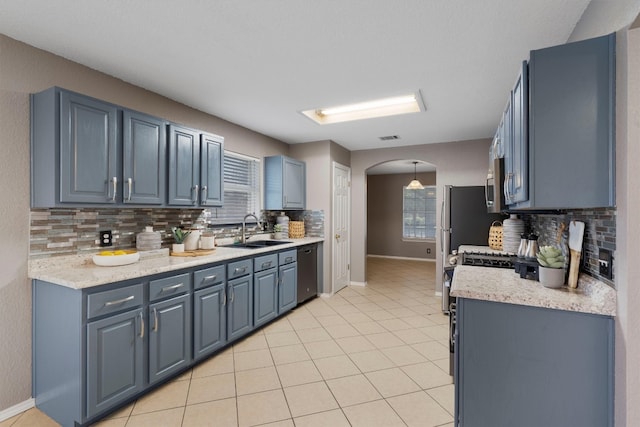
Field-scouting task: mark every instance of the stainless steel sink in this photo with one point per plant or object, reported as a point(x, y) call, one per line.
point(257, 244)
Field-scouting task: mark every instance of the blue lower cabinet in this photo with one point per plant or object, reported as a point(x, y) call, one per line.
point(169, 337)
point(265, 296)
point(209, 320)
point(115, 360)
point(288, 287)
point(239, 307)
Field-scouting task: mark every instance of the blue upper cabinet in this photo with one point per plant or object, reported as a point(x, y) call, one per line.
point(195, 168)
point(515, 129)
point(143, 159)
point(285, 183)
point(572, 125)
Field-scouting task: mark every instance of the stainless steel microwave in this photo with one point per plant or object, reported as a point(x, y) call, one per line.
point(494, 190)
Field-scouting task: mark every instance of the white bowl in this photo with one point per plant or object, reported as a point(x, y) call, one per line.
point(115, 260)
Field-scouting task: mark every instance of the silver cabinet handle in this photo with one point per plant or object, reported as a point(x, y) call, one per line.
point(172, 287)
point(239, 270)
point(195, 194)
point(130, 185)
point(155, 319)
point(204, 194)
point(288, 259)
point(507, 194)
point(119, 301)
point(267, 264)
point(212, 277)
point(114, 186)
point(233, 294)
point(141, 326)
point(224, 297)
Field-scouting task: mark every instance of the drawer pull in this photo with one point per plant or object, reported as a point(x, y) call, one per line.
point(172, 287)
point(155, 319)
point(267, 264)
point(119, 301)
point(240, 270)
point(288, 259)
point(212, 277)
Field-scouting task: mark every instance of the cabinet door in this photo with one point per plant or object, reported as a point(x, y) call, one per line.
point(239, 307)
point(507, 138)
point(144, 159)
point(88, 150)
point(184, 166)
point(287, 287)
point(211, 170)
point(169, 337)
point(293, 184)
point(209, 320)
point(114, 360)
point(519, 180)
point(265, 296)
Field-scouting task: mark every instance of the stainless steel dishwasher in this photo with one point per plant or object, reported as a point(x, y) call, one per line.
point(307, 272)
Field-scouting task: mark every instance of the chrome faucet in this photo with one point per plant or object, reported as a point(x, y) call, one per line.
point(243, 239)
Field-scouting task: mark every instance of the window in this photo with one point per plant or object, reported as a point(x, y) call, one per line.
point(241, 190)
point(419, 213)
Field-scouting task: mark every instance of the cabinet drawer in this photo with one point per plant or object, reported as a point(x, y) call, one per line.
point(287, 257)
point(239, 268)
point(114, 300)
point(265, 262)
point(209, 276)
point(169, 286)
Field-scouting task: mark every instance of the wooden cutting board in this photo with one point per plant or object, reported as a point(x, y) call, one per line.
point(197, 252)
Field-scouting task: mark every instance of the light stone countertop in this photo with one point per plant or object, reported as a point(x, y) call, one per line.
point(79, 271)
point(504, 285)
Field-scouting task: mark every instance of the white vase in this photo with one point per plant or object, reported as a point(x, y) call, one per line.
point(512, 228)
point(551, 277)
point(177, 247)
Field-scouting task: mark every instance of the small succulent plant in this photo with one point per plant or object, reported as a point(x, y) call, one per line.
point(179, 234)
point(551, 257)
point(277, 228)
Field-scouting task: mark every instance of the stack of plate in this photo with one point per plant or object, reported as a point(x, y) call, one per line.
point(512, 228)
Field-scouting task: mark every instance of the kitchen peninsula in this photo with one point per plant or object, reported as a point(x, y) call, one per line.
point(527, 355)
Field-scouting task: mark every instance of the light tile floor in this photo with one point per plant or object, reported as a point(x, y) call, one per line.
point(367, 356)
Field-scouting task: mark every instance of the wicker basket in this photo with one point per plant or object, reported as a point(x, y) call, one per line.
point(296, 229)
point(495, 235)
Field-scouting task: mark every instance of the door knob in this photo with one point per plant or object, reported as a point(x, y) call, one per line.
point(337, 236)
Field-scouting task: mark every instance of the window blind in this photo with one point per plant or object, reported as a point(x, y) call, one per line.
point(241, 190)
point(419, 213)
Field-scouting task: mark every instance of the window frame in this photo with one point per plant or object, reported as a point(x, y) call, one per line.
point(426, 211)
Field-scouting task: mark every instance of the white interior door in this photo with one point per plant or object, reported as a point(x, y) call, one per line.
point(340, 220)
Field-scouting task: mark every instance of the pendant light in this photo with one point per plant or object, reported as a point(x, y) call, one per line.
point(415, 184)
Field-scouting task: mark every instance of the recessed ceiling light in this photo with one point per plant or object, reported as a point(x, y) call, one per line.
point(392, 106)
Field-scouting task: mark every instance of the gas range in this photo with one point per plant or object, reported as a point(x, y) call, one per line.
point(487, 259)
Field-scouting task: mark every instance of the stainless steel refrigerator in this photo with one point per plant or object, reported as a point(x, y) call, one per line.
point(464, 220)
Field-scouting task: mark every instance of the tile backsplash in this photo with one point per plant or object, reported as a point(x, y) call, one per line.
point(599, 232)
point(72, 231)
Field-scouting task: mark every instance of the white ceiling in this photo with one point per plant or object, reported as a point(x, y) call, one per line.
point(258, 63)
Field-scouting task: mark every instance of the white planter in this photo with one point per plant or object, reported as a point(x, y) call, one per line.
point(551, 277)
point(177, 247)
point(277, 235)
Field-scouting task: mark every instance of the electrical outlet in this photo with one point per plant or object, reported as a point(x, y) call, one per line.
point(605, 261)
point(428, 250)
point(106, 238)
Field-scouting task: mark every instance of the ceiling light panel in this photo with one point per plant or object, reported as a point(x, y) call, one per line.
point(382, 107)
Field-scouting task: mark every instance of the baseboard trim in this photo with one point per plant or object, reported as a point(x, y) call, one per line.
point(14, 410)
point(402, 257)
point(358, 284)
point(326, 295)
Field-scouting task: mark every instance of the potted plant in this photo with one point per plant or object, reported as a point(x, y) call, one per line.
point(179, 235)
point(277, 231)
point(551, 268)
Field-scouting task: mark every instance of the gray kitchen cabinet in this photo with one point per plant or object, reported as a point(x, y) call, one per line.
point(529, 366)
point(287, 281)
point(144, 154)
point(115, 360)
point(209, 311)
point(285, 183)
point(169, 337)
point(515, 135)
point(195, 168)
point(239, 299)
point(88, 152)
point(265, 289)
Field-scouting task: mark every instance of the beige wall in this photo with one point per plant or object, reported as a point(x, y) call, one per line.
point(318, 157)
point(384, 217)
point(457, 163)
point(25, 70)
